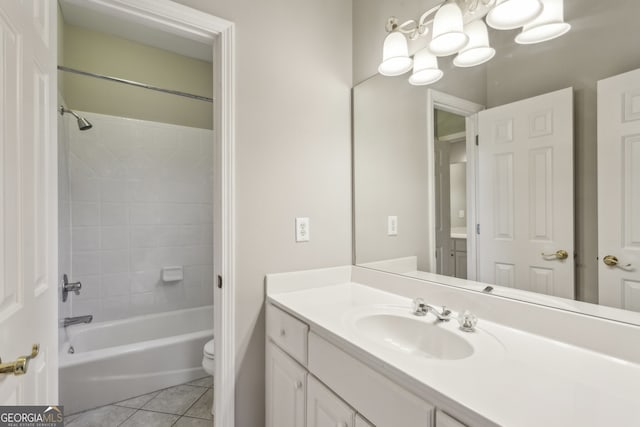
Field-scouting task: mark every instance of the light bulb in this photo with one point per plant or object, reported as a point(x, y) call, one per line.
point(448, 34)
point(510, 14)
point(477, 51)
point(395, 55)
point(425, 68)
point(549, 25)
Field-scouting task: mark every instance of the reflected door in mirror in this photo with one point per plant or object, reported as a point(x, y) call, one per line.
point(619, 191)
point(525, 192)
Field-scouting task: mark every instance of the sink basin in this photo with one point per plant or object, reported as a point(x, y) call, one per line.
point(414, 336)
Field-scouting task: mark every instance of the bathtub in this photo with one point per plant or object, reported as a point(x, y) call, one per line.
point(117, 360)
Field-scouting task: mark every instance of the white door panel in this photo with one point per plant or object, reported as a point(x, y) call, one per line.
point(619, 190)
point(525, 194)
point(28, 198)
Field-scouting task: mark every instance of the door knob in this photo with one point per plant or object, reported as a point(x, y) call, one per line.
point(561, 254)
point(612, 261)
point(20, 366)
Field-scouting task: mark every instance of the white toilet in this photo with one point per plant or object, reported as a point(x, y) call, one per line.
point(208, 362)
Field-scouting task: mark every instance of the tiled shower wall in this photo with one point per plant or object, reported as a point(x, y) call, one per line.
point(141, 199)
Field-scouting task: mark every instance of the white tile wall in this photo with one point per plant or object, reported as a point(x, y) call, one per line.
point(140, 198)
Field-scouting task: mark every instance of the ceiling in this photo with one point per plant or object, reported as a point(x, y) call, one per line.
point(82, 14)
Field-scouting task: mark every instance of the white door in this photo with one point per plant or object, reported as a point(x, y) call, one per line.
point(286, 387)
point(525, 194)
point(28, 199)
point(619, 191)
point(325, 409)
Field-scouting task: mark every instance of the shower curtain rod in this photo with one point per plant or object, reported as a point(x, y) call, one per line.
point(134, 83)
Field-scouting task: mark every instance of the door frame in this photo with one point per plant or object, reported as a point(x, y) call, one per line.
point(469, 110)
point(220, 33)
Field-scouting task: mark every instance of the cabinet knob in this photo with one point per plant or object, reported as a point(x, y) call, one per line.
point(283, 332)
point(298, 385)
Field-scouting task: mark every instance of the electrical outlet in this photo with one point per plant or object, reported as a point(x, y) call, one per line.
point(392, 226)
point(302, 229)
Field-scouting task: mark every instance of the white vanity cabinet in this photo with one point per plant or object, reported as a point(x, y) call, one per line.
point(361, 422)
point(311, 382)
point(444, 420)
point(325, 409)
point(286, 389)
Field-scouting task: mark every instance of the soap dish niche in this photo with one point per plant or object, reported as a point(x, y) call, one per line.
point(172, 274)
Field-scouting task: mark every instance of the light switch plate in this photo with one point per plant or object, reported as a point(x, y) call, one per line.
point(392, 226)
point(302, 229)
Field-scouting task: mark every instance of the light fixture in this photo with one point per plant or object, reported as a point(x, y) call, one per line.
point(549, 25)
point(477, 51)
point(425, 68)
point(510, 14)
point(458, 26)
point(395, 55)
point(448, 34)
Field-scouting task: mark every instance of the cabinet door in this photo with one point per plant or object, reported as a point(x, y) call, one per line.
point(325, 409)
point(361, 422)
point(444, 420)
point(286, 385)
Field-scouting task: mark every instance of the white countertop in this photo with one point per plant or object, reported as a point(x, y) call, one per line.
point(514, 378)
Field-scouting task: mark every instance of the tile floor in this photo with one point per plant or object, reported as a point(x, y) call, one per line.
point(186, 405)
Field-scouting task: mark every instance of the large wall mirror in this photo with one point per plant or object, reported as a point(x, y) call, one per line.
point(519, 177)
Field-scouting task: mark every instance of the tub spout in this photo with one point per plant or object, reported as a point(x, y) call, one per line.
point(68, 321)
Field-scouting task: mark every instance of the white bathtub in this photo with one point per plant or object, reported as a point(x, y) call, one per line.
point(121, 359)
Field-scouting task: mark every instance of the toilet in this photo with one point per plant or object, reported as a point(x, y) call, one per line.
point(208, 361)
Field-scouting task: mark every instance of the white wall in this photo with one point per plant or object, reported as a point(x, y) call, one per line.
point(141, 199)
point(293, 129)
point(390, 171)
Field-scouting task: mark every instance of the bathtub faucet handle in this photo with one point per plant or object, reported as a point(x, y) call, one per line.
point(69, 287)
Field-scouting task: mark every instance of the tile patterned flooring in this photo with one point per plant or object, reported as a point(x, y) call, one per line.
point(186, 405)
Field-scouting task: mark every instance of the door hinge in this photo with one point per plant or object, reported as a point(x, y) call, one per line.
point(478, 229)
point(477, 139)
point(219, 282)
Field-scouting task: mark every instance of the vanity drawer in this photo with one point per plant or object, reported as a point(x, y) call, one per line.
point(444, 420)
point(383, 402)
point(288, 333)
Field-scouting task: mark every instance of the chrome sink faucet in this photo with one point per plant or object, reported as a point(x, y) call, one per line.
point(421, 309)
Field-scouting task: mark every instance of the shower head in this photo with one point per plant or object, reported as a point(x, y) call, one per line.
point(83, 124)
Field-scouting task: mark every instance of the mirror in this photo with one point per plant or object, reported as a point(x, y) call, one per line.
point(408, 198)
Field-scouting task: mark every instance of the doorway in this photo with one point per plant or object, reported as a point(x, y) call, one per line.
point(170, 18)
point(451, 152)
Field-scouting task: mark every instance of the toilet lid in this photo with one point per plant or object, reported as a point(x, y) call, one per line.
point(209, 349)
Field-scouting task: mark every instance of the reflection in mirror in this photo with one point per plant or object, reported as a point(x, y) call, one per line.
point(398, 173)
point(450, 148)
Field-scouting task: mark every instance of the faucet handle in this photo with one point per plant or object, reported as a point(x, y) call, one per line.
point(419, 307)
point(467, 321)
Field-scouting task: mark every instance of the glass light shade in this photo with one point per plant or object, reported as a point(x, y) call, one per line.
point(477, 51)
point(448, 33)
point(395, 55)
point(425, 68)
point(549, 25)
point(510, 14)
